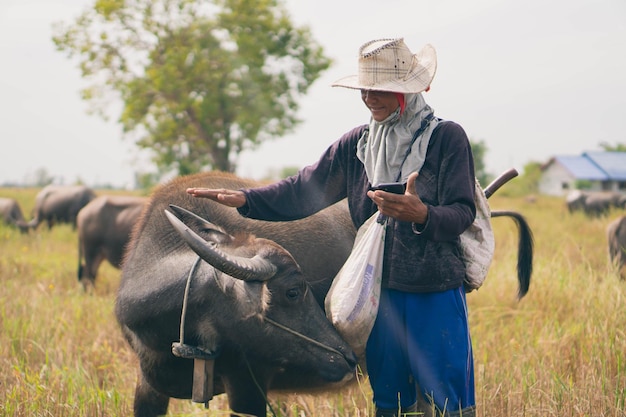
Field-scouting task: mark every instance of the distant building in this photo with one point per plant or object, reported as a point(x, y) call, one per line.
point(598, 171)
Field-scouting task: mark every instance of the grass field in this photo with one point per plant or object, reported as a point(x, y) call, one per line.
point(560, 351)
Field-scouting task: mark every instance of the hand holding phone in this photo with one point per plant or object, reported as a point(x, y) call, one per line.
point(390, 187)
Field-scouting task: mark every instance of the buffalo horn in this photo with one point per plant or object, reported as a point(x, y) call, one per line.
point(247, 269)
point(180, 212)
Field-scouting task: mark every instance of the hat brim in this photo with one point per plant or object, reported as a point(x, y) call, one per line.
point(416, 82)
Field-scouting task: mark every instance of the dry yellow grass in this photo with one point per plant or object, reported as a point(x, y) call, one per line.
point(558, 352)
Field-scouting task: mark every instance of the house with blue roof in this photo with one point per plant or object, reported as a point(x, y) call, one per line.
point(593, 171)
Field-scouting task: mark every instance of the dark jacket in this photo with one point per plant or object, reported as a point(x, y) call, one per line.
point(424, 261)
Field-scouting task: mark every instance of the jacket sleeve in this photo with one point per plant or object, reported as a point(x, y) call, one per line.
point(312, 189)
point(455, 210)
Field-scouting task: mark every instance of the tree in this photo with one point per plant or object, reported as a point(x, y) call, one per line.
point(479, 149)
point(526, 184)
point(40, 178)
point(618, 147)
point(200, 81)
point(531, 178)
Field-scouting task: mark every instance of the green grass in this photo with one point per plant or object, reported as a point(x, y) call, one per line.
point(560, 351)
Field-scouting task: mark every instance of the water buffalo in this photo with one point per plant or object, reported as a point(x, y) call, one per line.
point(575, 200)
point(598, 204)
point(60, 204)
point(254, 306)
point(616, 235)
point(259, 303)
point(104, 227)
point(11, 214)
point(595, 203)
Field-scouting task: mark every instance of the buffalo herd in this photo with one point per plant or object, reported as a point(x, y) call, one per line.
point(208, 299)
point(595, 203)
point(103, 223)
point(53, 204)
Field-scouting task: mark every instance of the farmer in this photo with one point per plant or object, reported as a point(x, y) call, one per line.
point(419, 353)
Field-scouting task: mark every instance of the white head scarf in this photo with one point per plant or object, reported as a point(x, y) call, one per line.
point(382, 150)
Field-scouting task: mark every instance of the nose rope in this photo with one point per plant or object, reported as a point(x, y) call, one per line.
point(300, 335)
point(265, 318)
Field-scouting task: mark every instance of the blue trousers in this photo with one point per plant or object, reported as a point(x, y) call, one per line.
point(421, 341)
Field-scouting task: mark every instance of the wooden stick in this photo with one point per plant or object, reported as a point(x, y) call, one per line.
point(202, 390)
point(505, 177)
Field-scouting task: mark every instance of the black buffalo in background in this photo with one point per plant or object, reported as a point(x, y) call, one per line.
point(616, 236)
point(595, 203)
point(60, 204)
point(11, 214)
point(104, 227)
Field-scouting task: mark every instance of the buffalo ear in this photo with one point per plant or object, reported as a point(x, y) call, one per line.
point(211, 232)
point(256, 268)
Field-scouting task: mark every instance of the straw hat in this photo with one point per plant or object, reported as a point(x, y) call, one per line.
point(389, 65)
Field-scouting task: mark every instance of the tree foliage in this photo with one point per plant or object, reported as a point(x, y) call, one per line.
point(526, 184)
point(479, 150)
point(618, 147)
point(200, 81)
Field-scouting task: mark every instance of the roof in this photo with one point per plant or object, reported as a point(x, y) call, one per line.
point(613, 163)
point(595, 166)
point(581, 168)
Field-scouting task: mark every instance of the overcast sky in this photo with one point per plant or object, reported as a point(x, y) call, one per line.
point(533, 79)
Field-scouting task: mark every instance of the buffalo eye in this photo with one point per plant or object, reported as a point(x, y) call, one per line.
point(293, 293)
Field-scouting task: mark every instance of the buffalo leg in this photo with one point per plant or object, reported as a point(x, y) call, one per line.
point(92, 262)
point(245, 395)
point(148, 402)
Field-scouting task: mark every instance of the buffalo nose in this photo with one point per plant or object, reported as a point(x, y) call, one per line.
point(350, 357)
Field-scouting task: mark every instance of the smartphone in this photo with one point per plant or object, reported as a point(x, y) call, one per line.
point(390, 187)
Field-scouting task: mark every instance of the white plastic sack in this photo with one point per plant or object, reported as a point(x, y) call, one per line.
point(478, 243)
point(352, 301)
